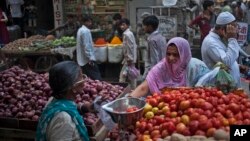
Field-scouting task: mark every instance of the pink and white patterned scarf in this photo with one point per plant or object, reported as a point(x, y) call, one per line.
point(165, 74)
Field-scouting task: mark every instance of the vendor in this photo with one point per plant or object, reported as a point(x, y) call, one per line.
point(60, 119)
point(69, 28)
point(116, 30)
point(176, 70)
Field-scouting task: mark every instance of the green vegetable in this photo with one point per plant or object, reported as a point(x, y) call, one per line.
point(65, 42)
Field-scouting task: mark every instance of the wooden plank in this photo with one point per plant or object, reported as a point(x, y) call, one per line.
point(100, 135)
point(22, 53)
point(16, 134)
point(28, 124)
point(93, 129)
point(9, 123)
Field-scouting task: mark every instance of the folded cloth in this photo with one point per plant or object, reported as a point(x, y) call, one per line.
point(65, 51)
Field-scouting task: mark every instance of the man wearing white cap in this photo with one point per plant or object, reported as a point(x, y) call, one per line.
point(220, 45)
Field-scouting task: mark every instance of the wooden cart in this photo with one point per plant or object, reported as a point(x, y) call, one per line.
point(38, 61)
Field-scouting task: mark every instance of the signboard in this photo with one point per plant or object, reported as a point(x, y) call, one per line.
point(58, 12)
point(167, 26)
point(242, 33)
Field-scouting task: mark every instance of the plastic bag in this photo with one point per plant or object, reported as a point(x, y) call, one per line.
point(133, 73)
point(218, 77)
point(208, 79)
point(225, 82)
point(103, 115)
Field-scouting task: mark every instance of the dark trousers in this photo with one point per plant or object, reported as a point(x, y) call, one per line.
point(92, 71)
point(19, 21)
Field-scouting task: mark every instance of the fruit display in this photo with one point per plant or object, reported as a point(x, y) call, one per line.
point(191, 111)
point(23, 94)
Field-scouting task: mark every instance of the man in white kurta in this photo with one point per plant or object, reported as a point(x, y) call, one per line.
point(220, 45)
point(85, 51)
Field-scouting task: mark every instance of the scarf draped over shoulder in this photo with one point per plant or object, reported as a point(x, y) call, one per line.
point(55, 107)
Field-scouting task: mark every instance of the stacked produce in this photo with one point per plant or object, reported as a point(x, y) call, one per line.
point(23, 94)
point(115, 42)
point(94, 88)
point(191, 111)
point(65, 41)
point(100, 42)
point(38, 42)
point(23, 44)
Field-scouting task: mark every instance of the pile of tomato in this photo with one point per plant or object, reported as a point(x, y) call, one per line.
point(191, 111)
point(132, 109)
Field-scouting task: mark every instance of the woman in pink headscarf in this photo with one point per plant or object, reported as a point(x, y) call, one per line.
point(178, 69)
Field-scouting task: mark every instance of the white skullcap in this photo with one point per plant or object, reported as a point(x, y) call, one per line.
point(145, 14)
point(234, 3)
point(225, 18)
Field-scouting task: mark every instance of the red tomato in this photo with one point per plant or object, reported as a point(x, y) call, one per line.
point(129, 110)
point(149, 126)
point(159, 119)
point(155, 133)
point(153, 102)
point(164, 133)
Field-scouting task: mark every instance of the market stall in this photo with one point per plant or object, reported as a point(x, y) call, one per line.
point(182, 114)
point(23, 95)
point(38, 52)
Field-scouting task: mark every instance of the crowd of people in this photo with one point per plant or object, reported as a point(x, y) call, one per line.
point(170, 64)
